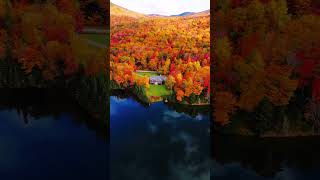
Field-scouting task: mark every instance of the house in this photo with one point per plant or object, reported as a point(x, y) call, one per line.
point(157, 80)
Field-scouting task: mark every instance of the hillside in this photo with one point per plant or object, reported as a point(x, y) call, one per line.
point(156, 15)
point(175, 47)
point(185, 14)
point(116, 10)
point(203, 13)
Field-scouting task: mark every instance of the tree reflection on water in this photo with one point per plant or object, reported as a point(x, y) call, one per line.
point(35, 104)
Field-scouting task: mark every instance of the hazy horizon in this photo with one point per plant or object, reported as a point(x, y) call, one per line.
point(164, 7)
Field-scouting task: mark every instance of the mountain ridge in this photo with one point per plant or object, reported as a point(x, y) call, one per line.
point(121, 11)
point(184, 14)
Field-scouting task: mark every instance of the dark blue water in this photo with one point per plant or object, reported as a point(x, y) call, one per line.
point(250, 158)
point(47, 136)
point(158, 142)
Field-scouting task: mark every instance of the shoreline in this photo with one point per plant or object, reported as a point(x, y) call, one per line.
point(161, 99)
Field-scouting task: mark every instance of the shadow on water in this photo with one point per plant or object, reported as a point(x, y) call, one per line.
point(35, 104)
point(125, 94)
point(190, 110)
point(44, 134)
point(238, 157)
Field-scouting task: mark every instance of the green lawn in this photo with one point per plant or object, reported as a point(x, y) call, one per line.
point(98, 38)
point(158, 90)
point(155, 93)
point(148, 74)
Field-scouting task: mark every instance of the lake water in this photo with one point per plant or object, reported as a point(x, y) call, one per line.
point(44, 135)
point(158, 142)
point(251, 158)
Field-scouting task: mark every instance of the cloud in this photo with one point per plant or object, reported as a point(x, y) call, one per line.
point(199, 117)
point(164, 7)
point(173, 114)
point(117, 104)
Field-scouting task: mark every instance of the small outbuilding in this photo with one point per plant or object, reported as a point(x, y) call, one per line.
point(157, 80)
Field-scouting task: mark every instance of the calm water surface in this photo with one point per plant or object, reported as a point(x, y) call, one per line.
point(250, 158)
point(158, 142)
point(46, 136)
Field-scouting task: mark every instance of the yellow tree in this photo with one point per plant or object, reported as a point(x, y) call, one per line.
point(165, 67)
point(170, 82)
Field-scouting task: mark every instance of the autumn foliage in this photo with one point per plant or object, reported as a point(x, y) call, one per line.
point(178, 48)
point(265, 50)
point(42, 37)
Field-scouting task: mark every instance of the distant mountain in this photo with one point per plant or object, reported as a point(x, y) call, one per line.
point(185, 14)
point(156, 15)
point(120, 11)
point(203, 13)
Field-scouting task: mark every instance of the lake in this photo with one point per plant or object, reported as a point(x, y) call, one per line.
point(45, 135)
point(252, 158)
point(158, 141)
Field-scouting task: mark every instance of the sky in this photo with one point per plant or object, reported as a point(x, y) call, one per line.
point(164, 7)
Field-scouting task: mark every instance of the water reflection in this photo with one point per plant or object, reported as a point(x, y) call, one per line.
point(255, 158)
point(37, 104)
point(157, 142)
point(44, 135)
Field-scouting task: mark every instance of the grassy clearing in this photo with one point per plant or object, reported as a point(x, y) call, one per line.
point(98, 38)
point(148, 74)
point(158, 91)
point(155, 93)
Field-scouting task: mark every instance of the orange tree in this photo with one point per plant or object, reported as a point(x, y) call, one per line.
point(41, 48)
point(175, 47)
point(265, 51)
point(49, 44)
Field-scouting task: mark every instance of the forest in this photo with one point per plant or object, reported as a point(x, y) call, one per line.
point(266, 66)
point(40, 47)
point(175, 47)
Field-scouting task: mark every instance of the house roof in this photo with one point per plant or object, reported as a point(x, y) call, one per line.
point(158, 78)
